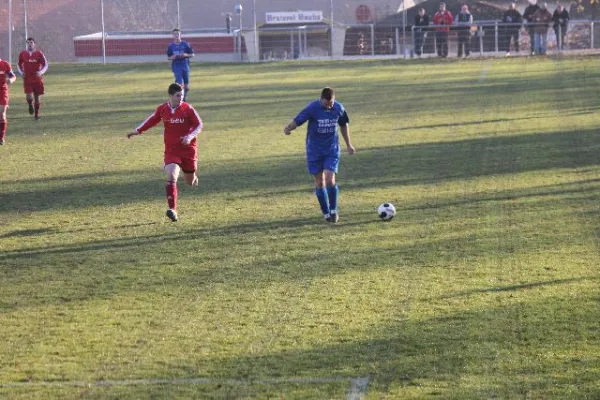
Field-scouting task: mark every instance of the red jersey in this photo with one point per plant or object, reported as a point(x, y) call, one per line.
point(443, 20)
point(5, 70)
point(179, 122)
point(30, 63)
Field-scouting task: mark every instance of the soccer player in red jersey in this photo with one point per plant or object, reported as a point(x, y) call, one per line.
point(182, 124)
point(32, 65)
point(7, 76)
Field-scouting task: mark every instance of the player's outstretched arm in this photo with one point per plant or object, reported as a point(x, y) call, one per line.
point(290, 127)
point(132, 134)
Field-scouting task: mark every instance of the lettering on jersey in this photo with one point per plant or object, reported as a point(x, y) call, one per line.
point(326, 126)
point(177, 120)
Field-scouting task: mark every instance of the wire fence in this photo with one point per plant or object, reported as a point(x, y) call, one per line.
point(261, 30)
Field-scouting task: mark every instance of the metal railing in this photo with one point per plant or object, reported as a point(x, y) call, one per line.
point(489, 37)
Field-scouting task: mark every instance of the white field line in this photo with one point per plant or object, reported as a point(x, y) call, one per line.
point(358, 386)
point(130, 71)
point(484, 71)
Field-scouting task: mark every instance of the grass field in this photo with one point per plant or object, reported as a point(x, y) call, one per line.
point(485, 285)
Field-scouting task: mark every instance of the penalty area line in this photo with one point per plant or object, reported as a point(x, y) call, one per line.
point(358, 386)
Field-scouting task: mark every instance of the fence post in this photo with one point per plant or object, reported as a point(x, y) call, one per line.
point(592, 33)
point(496, 36)
point(481, 33)
point(372, 39)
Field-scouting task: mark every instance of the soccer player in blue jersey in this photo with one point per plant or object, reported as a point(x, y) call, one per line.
point(180, 52)
point(323, 147)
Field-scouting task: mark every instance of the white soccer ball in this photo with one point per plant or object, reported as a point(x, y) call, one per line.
point(386, 211)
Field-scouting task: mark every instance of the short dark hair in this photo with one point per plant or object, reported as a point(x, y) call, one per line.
point(175, 88)
point(176, 30)
point(327, 93)
point(30, 39)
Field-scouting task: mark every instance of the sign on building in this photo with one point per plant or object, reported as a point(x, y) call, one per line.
point(294, 17)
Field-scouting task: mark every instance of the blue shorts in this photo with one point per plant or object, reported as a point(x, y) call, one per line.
point(318, 164)
point(182, 76)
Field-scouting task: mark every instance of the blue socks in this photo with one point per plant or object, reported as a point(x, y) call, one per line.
point(328, 198)
point(321, 194)
point(332, 194)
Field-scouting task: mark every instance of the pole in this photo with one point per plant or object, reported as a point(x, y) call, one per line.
point(178, 24)
point(10, 31)
point(256, 47)
point(239, 10)
point(331, 25)
point(404, 29)
point(103, 33)
point(25, 19)
point(241, 37)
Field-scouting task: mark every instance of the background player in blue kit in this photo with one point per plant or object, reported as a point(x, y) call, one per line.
point(180, 52)
point(323, 146)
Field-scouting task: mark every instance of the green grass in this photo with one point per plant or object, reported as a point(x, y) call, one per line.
point(485, 285)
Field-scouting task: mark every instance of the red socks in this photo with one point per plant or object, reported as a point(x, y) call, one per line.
point(3, 125)
point(36, 105)
point(171, 189)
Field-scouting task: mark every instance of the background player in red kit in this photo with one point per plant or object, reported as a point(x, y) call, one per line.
point(182, 124)
point(7, 76)
point(32, 65)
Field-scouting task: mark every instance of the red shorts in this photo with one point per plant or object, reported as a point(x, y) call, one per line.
point(187, 160)
point(33, 87)
point(3, 98)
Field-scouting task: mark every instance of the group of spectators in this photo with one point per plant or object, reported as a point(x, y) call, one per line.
point(536, 19)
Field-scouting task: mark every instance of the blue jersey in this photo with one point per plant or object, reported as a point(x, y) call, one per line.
point(321, 135)
point(177, 49)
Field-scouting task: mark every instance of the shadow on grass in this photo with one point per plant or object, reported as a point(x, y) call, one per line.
point(375, 167)
point(490, 353)
point(519, 348)
point(517, 288)
point(148, 253)
point(28, 232)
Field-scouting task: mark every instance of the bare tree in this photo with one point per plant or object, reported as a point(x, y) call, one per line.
point(136, 15)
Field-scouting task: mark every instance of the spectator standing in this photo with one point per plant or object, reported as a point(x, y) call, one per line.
point(542, 19)
point(361, 47)
point(464, 20)
point(442, 20)
point(560, 20)
point(531, 9)
point(513, 20)
point(421, 24)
